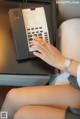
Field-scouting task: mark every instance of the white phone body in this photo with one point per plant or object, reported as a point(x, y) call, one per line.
point(35, 25)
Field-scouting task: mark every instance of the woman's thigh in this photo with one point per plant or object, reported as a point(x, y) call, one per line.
point(39, 112)
point(59, 95)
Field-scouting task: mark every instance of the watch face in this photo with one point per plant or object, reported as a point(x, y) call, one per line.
point(67, 63)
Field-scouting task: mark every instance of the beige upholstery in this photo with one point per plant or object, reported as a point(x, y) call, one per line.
point(70, 38)
point(70, 29)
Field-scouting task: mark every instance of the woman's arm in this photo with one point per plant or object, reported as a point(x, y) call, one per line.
point(52, 56)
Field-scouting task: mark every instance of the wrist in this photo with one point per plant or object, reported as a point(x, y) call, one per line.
point(73, 68)
point(70, 66)
point(61, 63)
point(65, 64)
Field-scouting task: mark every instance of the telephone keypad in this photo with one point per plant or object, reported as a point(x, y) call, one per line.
point(30, 39)
point(36, 31)
point(29, 33)
point(28, 29)
point(45, 32)
point(36, 28)
point(33, 32)
point(32, 28)
point(41, 31)
point(40, 34)
point(40, 27)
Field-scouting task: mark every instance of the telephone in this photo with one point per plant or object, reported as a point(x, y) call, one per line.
point(25, 24)
point(35, 25)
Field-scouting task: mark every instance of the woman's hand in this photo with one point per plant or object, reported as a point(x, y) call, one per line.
point(48, 53)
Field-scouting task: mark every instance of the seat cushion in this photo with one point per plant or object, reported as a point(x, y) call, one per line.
point(69, 32)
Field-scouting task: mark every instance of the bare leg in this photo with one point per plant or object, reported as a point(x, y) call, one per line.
point(39, 112)
point(58, 96)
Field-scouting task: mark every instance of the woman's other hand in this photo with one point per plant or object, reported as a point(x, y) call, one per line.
point(48, 53)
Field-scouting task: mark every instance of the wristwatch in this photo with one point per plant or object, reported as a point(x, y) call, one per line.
point(67, 64)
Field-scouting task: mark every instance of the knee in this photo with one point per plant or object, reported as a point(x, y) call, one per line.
point(12, 95)
point(77, 104)
point(75, 99)
point(18, 114)
point(22, 113)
